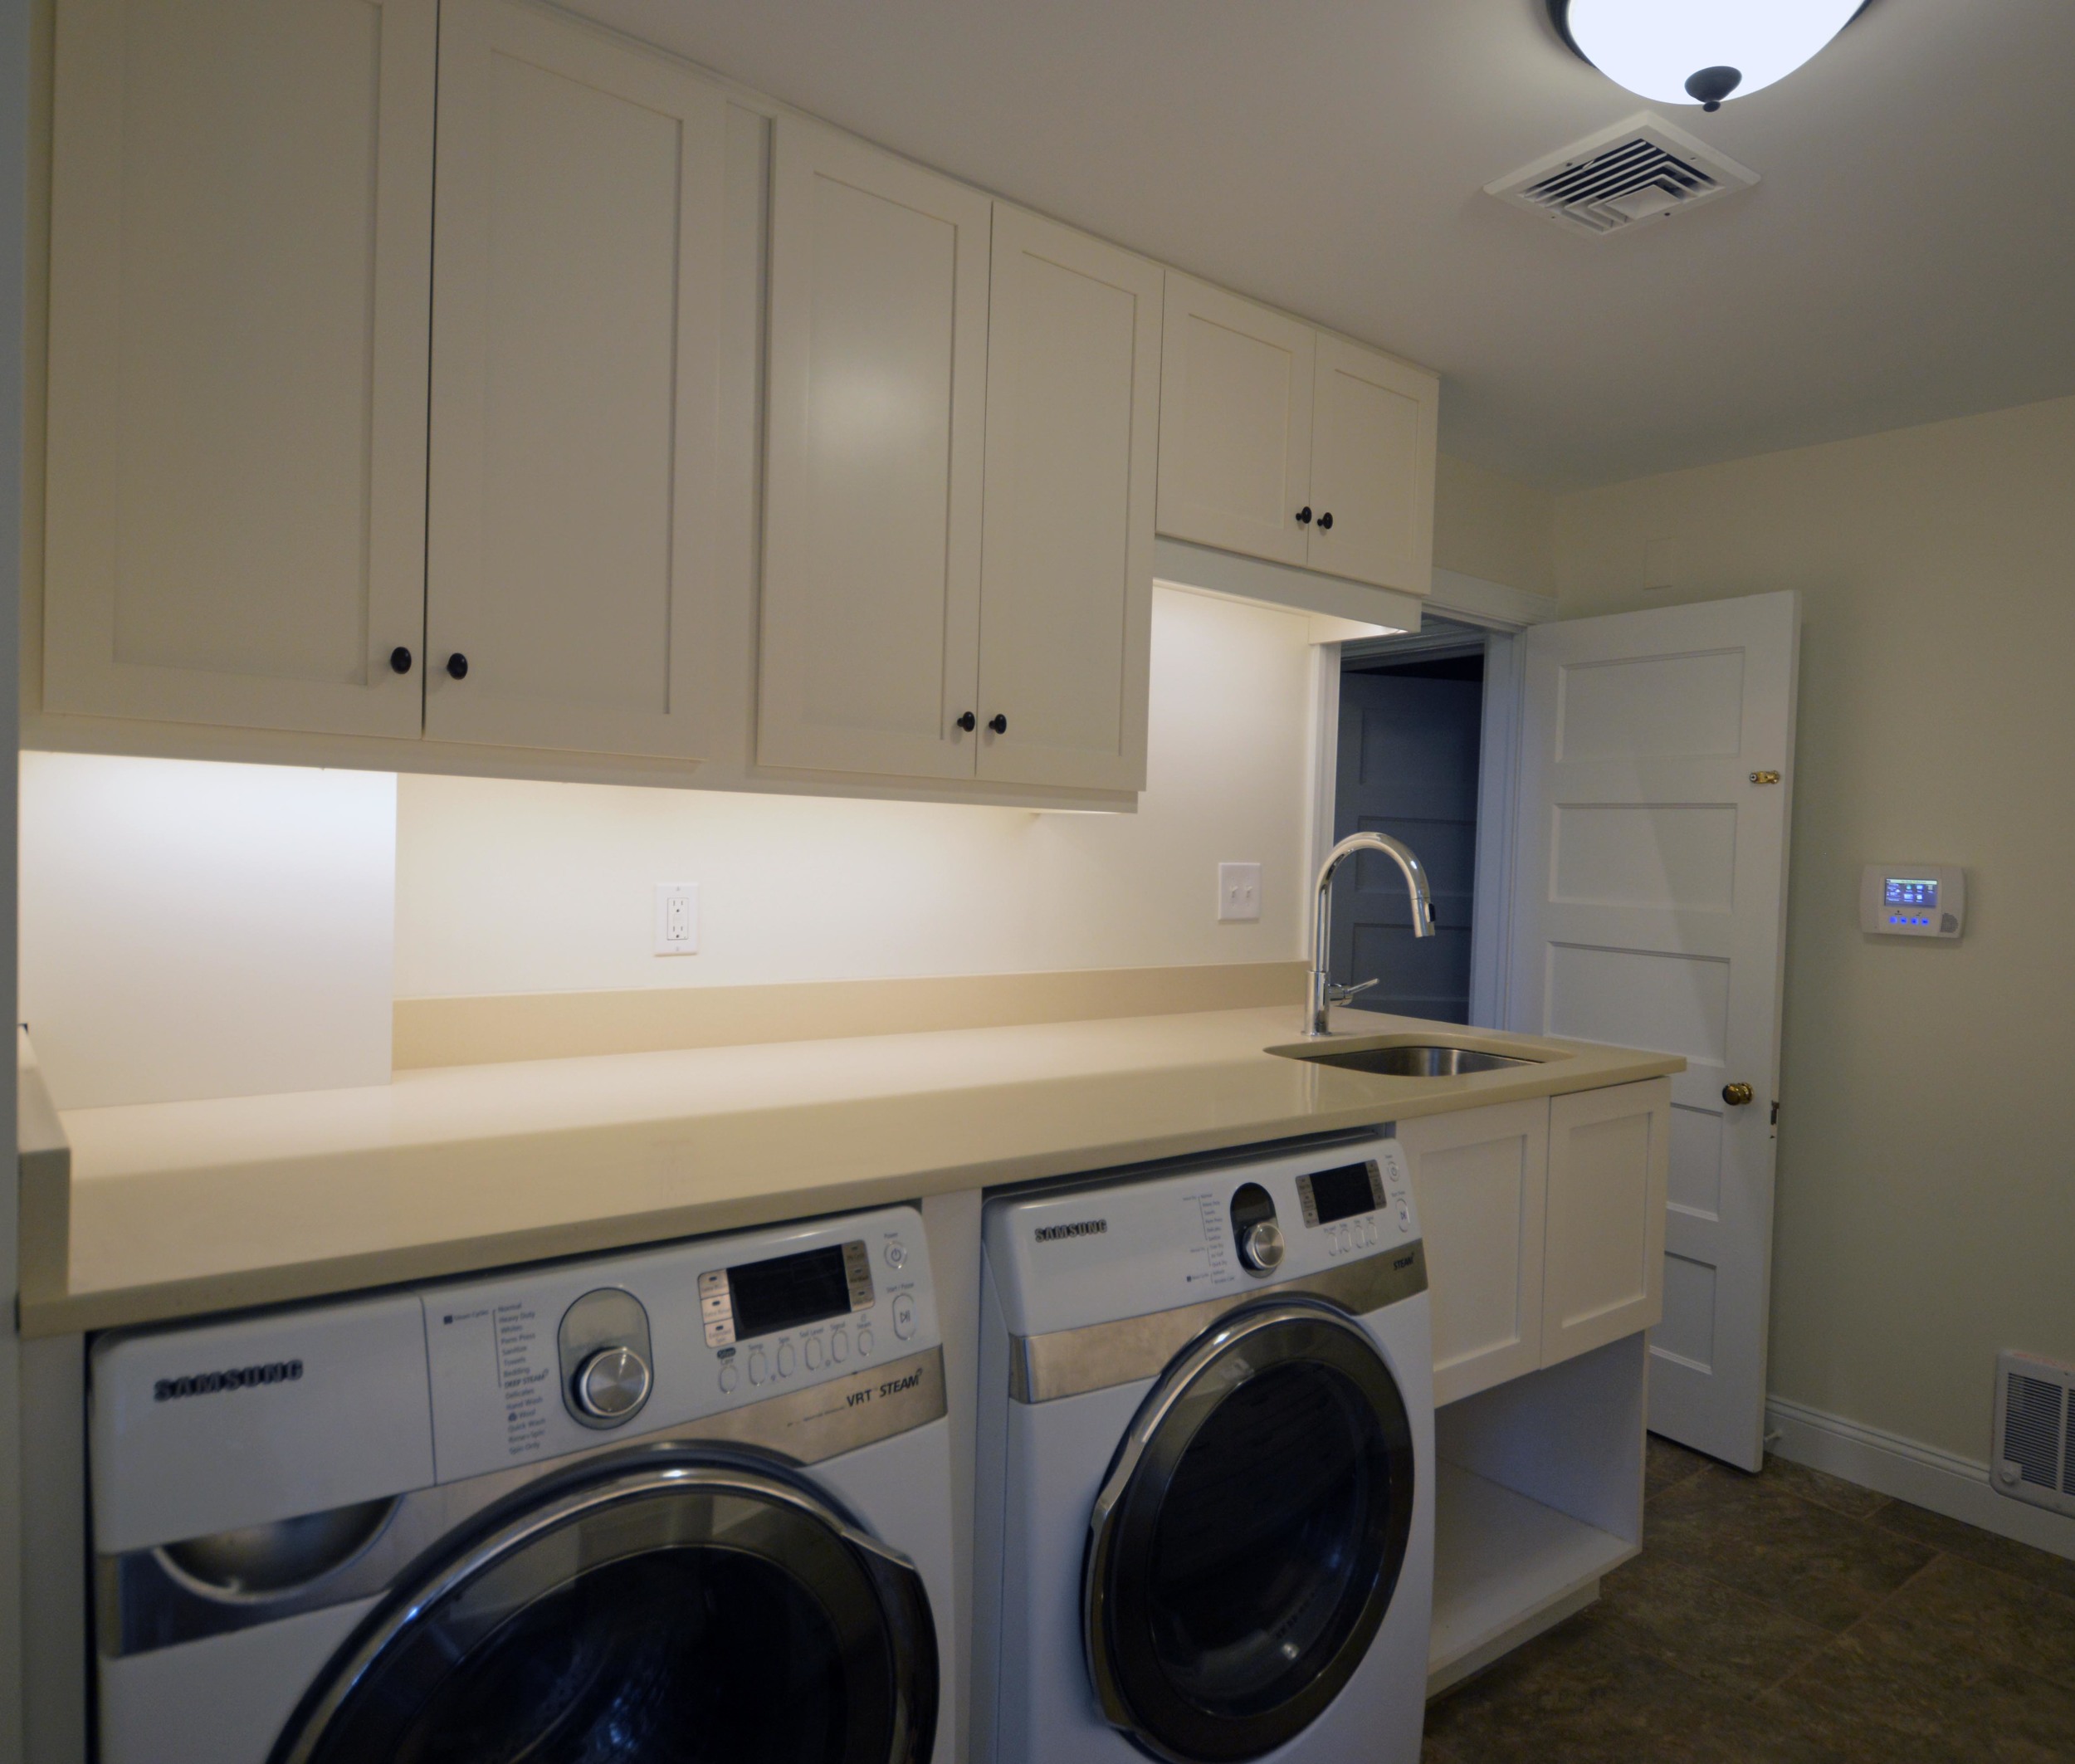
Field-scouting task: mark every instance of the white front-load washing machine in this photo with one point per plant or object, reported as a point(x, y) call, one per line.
point(691, 1504)
point(1205, 1508)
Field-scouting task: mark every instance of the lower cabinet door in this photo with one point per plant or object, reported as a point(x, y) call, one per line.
point(1609, 1160)
point(1479, 1177)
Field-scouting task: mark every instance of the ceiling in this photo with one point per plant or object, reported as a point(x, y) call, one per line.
point(1909, 255)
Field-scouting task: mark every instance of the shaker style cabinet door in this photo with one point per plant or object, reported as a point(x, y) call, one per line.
point(241, 264)
point(1609, 1160)
point(1481, 1177)
point(1066, 573)
point(1235, 390)
point(877, 398)
point(1372, 428)
point(574, 414)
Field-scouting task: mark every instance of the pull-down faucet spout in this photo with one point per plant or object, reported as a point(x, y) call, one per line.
point(1324, 994)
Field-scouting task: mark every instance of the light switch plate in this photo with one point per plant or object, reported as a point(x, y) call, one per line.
point(676, 918)
point(1238, 891)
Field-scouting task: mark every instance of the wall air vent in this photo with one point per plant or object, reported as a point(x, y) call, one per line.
point(2034, 1456)
point(1640, 170)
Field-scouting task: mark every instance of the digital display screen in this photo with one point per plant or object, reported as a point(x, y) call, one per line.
point(787, 1291)
point(1342, 1193)
point(1903, 892)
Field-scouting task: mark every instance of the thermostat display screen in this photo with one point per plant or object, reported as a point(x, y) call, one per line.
point(1902, 893)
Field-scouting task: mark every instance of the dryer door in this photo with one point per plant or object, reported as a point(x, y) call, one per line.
point(657, 1609)
point(1249, 1537)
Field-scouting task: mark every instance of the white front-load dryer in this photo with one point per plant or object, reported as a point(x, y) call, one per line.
point(689, 1504)
point(1205, 1507)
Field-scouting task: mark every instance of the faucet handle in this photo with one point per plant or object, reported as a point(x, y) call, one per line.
point(1341, 994)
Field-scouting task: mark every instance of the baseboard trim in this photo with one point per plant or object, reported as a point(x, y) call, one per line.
point(1889, 1464)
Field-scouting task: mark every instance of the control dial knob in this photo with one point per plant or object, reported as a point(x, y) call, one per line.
point(613, 1385)
point(1261, 1246)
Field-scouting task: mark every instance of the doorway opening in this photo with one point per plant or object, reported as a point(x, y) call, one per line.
point(1414, 759)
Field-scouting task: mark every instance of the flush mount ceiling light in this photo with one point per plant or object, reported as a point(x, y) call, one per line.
point(1699, 52)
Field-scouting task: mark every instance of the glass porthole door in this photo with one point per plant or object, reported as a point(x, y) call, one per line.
point(662, 1610)
point(1249, 1536)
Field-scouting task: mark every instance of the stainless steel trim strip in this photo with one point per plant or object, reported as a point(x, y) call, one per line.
point(1070, 1362)
point(145, 1602)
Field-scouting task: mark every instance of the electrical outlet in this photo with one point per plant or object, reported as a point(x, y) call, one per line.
point(676, 918)
point(1238, 891)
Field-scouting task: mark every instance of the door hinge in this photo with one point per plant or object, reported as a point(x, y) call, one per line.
point(1775, 1112)
point(1765, 777)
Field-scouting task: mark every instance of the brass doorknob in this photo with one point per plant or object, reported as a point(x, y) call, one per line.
point(1737, 1094)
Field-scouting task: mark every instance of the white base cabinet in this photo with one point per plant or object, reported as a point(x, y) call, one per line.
point(1544, 1224)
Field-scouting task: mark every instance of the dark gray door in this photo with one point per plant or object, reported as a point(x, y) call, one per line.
point(1408, 753)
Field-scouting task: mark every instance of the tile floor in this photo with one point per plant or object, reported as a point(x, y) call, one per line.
point(1788, 1618)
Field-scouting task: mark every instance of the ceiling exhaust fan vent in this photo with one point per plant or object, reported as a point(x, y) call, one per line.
point(1640, 170)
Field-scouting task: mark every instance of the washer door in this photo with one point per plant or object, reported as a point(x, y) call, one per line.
point(1249, 1537)
point(660, 1609)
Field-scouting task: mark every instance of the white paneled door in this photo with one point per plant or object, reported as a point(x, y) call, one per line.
point(573, 415)
point(1656, 755)
point(1066, 576)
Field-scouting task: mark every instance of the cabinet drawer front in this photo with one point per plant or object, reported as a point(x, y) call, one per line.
point(1066, 577)
point(574, 394)
point(1609, 1158)
point(878, 373)
point(1373, 429)
point(1236, 386)
point(240, 277)
point(1480, 1179)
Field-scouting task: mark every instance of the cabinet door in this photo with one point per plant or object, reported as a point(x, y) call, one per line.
point(878, 381)
point(240, 262)
point(1073, 349)
point(1609, 1157)
point(1236, 388)
point(1481, 1178)
point(1373, 425)
point(579, 231)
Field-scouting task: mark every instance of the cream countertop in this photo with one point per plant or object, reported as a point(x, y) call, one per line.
point(173, 1210)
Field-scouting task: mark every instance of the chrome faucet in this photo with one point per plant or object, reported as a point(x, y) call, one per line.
point(1324, 994)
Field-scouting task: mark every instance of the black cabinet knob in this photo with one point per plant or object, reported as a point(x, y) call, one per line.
point(400, 660)
point(457, 665)
point(1326, 523)
point(998, 724)
point(1304, 515)
point(969, 722)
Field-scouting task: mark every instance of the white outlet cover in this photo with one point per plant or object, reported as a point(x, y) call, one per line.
point(1239, 891)
point(676, 918)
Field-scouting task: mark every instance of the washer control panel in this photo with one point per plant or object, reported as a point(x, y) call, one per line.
point(535, 1364)
point(1065, 1257)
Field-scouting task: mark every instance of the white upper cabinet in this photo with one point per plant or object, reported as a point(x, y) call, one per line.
point(1373, 424)
point(1235, 454)
point(578, 239)
point(241, 266)
point(1289, 444)
point(869, 653)
point(1066, 577)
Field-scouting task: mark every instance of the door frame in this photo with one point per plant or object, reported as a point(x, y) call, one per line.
point(1502, 614)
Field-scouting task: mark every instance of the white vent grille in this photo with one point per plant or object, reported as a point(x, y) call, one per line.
point(2035, 1431)
point(1640, 170)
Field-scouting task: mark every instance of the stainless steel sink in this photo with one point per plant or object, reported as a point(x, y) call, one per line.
point(1402, 1061)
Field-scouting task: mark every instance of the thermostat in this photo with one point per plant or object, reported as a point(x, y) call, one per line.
point(1913, 900)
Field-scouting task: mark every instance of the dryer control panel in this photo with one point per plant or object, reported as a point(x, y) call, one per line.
point(1092, 1253)
point(533, 1365)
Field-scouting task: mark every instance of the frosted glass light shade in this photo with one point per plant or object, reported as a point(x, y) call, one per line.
point(1656, 47)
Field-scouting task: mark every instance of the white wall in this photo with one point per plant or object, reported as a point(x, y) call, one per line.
point(191, 928)
point(1926, 1199)
point(509, 886)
